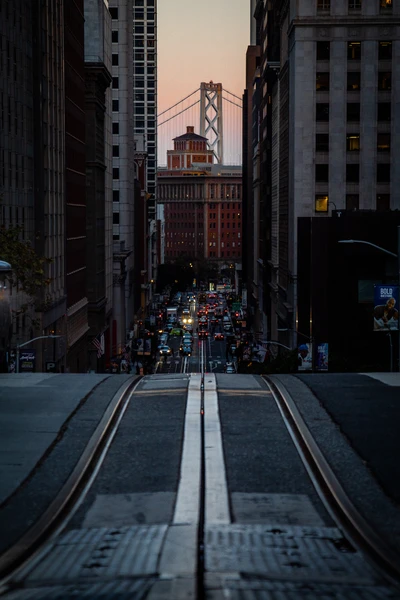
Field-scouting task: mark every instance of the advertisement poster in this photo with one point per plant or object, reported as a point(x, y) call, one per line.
point(304, 357)
point(322, 357)
point(27, 359)
point(386, 314)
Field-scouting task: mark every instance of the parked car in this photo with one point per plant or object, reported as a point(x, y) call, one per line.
point(164, 350)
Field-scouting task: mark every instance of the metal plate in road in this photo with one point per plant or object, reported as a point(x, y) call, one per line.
point(287, 553)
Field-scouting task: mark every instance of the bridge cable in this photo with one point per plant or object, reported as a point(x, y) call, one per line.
point(234, 103)
point(183, 99)
point(179, 113)
point(225, 90)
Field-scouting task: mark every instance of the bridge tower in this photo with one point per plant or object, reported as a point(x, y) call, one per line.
point(211, 125)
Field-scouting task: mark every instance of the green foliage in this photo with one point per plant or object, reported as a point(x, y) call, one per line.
point(28, 269)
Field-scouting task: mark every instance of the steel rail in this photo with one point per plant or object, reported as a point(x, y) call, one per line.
point(75, 486)
point(330, 490)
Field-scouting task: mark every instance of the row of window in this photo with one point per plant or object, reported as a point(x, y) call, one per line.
point(322, 81)
point(353, 173)
point(354, 50)
point(383, 142)
point(352, 202)
point(356, 5)
point(353, 111)
point(227, 225)
point(223, 215)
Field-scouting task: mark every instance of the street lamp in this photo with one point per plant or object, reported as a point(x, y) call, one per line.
point(41, 337)
point(5, 269)
point(390, 254)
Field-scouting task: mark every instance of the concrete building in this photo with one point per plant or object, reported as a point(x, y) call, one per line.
point(145, 128)
point(99, 191)
point(75, 188)
point(32, 164)
point(202, 204)
point(334, 126)
point(123, 170)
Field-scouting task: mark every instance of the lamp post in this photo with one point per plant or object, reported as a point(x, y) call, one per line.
point(41, 337)
point(390, 254)
point(5, 269)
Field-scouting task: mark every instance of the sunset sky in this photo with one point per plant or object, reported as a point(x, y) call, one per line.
point(200, 40)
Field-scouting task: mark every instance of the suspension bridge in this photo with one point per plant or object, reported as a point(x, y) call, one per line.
point(215, 113)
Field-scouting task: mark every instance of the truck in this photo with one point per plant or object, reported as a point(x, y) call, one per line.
point(172, 313)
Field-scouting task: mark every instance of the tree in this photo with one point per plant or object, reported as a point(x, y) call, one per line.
point(28, 270)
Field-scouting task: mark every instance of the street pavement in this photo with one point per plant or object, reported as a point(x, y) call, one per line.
point(46, 421)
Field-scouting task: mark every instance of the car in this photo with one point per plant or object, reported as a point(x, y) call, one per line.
point(164, 350)
point(187, 351)
point(187, 338)
point(203, 334)
point(186, 311)
point(228, 328)
point(232, 349)
point(229, 368)
point(176, 331)
point(163, 338)
point(187, 320)
point(219, 336)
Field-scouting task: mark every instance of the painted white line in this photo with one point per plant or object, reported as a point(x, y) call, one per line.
point(188, 498)
point(216, 499)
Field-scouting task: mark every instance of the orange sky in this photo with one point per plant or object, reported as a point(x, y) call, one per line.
point(201, 40)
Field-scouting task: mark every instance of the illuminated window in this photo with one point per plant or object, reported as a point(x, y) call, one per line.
point(321, 203)
point(383, 142)
point(385, 5)
point(353, 142)
point(354, 50)
point(384, 80)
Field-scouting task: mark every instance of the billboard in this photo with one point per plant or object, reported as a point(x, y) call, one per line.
point(386, 314)
point(27, 359)
point(322, 357)
point(304, 357)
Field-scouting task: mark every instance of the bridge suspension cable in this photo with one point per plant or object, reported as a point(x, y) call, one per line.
point(228, 92)
point(179, 113)
point(234, 103)
point(176, 104)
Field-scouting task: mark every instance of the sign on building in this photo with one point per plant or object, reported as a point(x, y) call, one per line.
point(386, 313)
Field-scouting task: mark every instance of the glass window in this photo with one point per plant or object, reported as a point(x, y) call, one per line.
point(139, 14)
point(322, 82)
point(115, 83)
point(115, 151)
point(115, 127)
point(383, 142)
point(113, 12)
point(322, 173)
point(385, 5)
point(354, 5)
point(115, 173)
point(322, 142)
point(115, 195)
point(353, 142)
point(383, 202)
point(115, 60)
point(383, 173)
point(384, 111)
point(352, 173)
point(115, 105)
point(322, 112)
point(116, 218)
point(352, 202)
point(354, 50)
point(385, 50)
point(114, 37)
point(353, 80)
point(321, 203)
point(353, 111)
point(384, 80)
point(323, 4)
point(323, 50)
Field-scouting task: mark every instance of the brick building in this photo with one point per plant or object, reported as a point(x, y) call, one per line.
point(202, 203)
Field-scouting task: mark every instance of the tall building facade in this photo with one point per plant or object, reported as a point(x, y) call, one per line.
point(99, 191)
point(145, 128)
point(123, 170)
point(75, 188)
point(32, 164)
point(329, 114)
